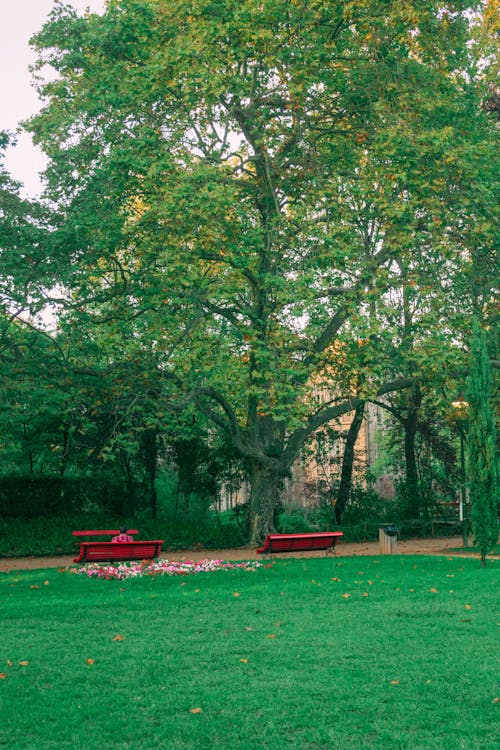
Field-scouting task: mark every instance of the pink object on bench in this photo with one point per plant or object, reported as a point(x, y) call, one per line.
point(300, 542)
point(110, 551)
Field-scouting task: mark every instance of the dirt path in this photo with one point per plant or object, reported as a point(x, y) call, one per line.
point(344, 549)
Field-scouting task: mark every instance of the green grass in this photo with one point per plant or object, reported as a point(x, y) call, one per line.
point(275, 658)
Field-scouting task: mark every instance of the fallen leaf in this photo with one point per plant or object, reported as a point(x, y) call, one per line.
point(335, 579)
point(468, 606)
point(9, 663)
point(365, 593)
point(496, 700)
point(236, 593)
point(271, 635)
point(412, 591)
point(428, 682)
point(24, 663)
point(90, 661)
point(197, 591)
point(195, 710)
point(118, 637)
point(45, 583)
point(370, 583)
point(346, 596)
point(433, 590)
point(2, 676)
point(248, 629)
point(394, 682)
point(244, 661)
point(278, 624)
point(34, 587)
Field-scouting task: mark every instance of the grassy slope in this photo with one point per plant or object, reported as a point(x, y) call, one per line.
point(279, 657)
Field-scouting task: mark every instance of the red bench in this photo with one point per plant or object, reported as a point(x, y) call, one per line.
point(300, 542)
point(115, 551)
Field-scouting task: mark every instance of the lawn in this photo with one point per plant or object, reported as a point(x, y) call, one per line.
point(317, 654)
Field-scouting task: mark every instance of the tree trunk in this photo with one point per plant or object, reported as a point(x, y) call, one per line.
point(265, 487)
point(410, 424)
point(348, 463)
point(150, 438)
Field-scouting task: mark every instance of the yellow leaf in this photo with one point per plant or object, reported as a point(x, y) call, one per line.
point(394, 682)
point(118, 637)
point(412, 590)
point(244, 661)
point(2, 676)
point(346, 596)
point(90, 661)
point(34, 587)
point(248, 629)
point(271, 635)
point(365, 593)
point(195, 710)
point(433, 590)
point(236, 593)
point(496, 700)
point(24, 663)
point(9, 663)
point(467, 606)
point(45, 583)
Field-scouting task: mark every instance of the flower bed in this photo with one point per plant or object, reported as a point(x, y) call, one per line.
point(124, 570)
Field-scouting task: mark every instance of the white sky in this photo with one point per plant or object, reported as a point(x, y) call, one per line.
point(19, 20)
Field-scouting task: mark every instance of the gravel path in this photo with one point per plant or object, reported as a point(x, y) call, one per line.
point(344, 549)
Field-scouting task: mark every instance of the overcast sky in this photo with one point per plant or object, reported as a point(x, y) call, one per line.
point(19, 20)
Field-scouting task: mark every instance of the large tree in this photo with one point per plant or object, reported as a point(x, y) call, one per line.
point(239, 180)
point(483, 460)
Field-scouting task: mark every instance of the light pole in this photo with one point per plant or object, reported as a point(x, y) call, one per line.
point(461, 406)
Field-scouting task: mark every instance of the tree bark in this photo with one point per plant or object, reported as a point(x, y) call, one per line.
point(265, 488)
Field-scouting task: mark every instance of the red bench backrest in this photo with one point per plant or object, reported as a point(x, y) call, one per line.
point(103, 532)
point(111, 551)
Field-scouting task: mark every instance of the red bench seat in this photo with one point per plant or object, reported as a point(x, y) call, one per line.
point(300, 542)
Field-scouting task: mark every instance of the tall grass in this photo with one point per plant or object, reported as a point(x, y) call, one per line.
point(396, 652)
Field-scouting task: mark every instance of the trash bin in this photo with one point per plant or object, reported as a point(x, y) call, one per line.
point(388, 539)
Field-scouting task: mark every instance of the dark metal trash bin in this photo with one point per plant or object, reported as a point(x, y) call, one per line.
point(388, 539)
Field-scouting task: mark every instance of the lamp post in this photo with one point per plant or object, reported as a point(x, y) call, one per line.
point(461, 406)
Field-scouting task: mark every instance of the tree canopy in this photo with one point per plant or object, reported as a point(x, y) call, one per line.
point(245, 188)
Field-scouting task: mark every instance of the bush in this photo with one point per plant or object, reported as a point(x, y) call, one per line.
point(52, 535)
